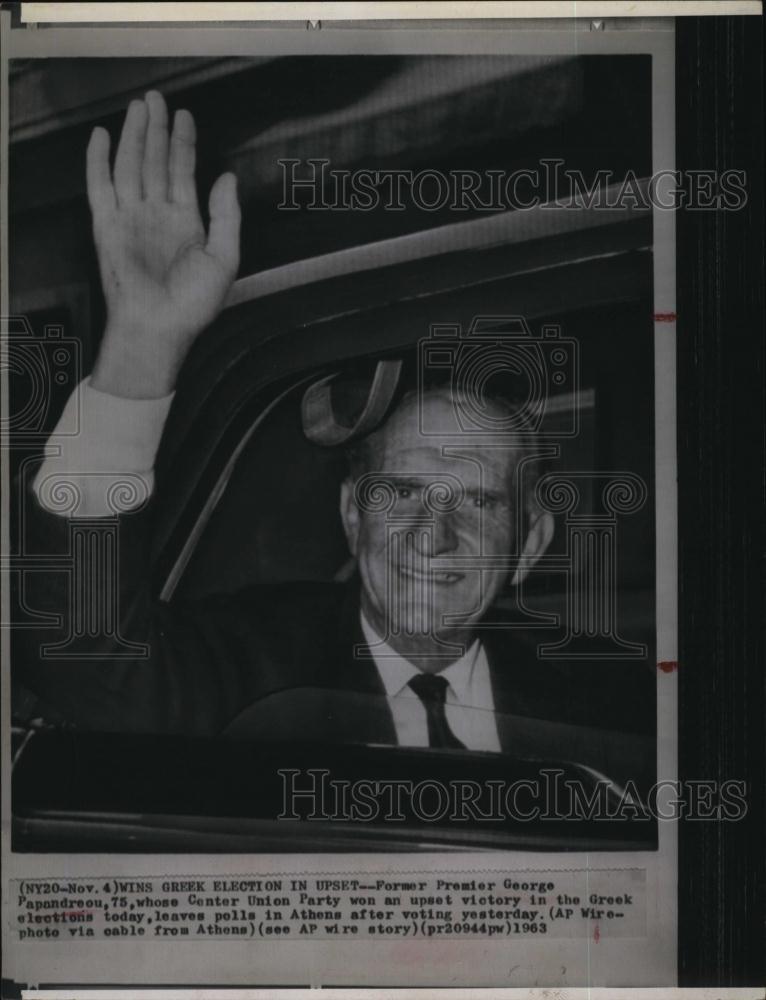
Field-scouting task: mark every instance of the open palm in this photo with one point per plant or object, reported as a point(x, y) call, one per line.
point(164, 277)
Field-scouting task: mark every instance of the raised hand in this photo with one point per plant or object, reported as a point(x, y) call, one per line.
point(164, 278)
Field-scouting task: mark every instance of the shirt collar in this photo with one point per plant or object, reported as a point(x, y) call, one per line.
point(396, 672)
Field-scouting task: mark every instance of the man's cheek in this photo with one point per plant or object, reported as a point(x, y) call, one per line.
point(496, 534)
point(366, 540)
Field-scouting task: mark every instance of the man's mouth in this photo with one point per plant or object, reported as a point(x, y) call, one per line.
point(432, 576)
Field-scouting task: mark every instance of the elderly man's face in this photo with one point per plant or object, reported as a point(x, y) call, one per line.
point(411, 601)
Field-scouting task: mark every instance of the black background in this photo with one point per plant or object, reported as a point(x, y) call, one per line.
point(722, 680)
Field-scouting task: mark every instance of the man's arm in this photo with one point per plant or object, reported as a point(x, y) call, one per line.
point(116, 443)
point(164, 280)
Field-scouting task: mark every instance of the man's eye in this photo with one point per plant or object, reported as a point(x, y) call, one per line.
point(404, 492)
point(485, 501)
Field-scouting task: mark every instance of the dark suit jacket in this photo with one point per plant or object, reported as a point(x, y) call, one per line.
point(272, 662)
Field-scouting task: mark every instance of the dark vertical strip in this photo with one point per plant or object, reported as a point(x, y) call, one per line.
point(722, 671)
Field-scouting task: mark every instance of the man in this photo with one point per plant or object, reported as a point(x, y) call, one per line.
point(394, 657)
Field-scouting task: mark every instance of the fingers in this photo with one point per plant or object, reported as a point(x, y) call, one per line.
point(130, 154)
point(101, 194)
point(223, 237)
point(149, 164)
point(182, 158)
point(155, 168)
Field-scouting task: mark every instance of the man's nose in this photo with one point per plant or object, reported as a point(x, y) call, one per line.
point(444, 537)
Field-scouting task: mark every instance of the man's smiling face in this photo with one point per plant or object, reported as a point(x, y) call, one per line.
point(411, 601)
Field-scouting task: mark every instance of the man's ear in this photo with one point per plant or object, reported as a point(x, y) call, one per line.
point(349, 514)
point(538, 540)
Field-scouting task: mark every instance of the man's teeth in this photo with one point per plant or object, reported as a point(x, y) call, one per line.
point(440, 576)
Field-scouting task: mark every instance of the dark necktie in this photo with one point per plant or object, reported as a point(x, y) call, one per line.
point(432, 691)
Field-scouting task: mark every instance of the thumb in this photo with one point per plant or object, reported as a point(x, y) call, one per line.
point(223, 237)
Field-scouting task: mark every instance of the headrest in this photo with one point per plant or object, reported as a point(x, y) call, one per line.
point(340, 408)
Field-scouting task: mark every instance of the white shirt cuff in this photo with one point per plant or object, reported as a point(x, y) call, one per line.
point(100, 457)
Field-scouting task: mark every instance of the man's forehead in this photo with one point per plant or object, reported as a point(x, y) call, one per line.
point(403, 446)
point(442, 410)
point(480, 465)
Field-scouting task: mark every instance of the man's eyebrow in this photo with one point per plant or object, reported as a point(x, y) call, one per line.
point(427, 480)
point(413, 481)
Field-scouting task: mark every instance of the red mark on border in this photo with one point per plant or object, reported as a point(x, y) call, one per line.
point(667, 666)
point(596, 935)
point(665, 317)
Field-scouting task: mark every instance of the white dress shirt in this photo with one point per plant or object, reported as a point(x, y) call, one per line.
point(469, 703)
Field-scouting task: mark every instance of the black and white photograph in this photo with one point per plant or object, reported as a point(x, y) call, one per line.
point(390, 489)
point(341, 557)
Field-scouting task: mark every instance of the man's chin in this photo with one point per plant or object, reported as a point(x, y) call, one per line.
point(415, 617)
point(431, 649)
point(433, 628)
